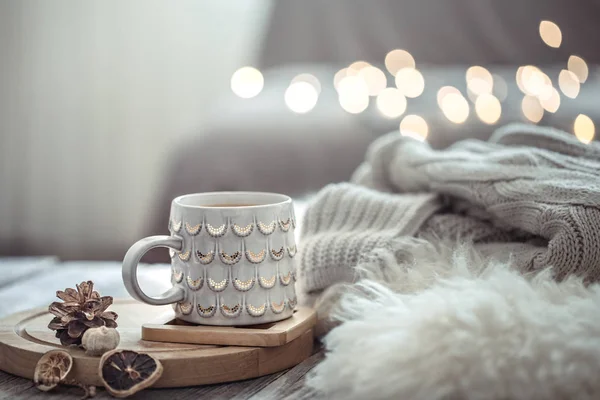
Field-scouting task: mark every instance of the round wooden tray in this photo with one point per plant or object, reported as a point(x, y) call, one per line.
point(24, 337)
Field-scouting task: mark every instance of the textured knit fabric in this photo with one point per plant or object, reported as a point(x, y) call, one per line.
point(347, 221)
point(529, 193)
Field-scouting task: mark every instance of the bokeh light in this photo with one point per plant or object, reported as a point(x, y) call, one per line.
point(500, 89)
point(479, 80)
point(308, 78)
point(550, 102)
point(488, 108)
point(247, 82)
point(374, 78)
point(533, 81)
point(410, 82)
point(397, 59)
point(579, 67)
point(357, 66)
point(353, 94)
point(519, 79)
point(547, 91)
point(444, 91)
point(414, 126)
point(550, 34)
point(532, 109)
point(568, 83)
point(301, 97)
point(455, 107)
point(337, 78)
point(391, 103)
point(584, 128)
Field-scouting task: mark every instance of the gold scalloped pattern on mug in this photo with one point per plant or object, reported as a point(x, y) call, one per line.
point(242, 231)
point(184, 256)
point(194, 284)
point(185, 308)
point(285, 279)
point(217, 286)
point(266, 229)
point(277, 254)
point(256, 258)
point(267, 283)
point(231, 312)
point(206, 312)
point(291, 250)
point(193, 230)
point(285, 225)
point(230, 259)
point(176, 226)
point(294, 276)
point(177, 276)
point(205, 258)
point(292, 303)
point(256, 311)
point(294, 223)
point(243, 286)
point(216, 232)
point(278, 308)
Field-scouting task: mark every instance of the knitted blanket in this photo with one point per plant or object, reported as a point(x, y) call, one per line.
point(529, 194)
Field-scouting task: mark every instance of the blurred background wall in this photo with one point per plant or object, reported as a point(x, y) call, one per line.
point(438, 32)
point(93, 94)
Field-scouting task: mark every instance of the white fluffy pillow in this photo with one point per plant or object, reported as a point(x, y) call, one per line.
point(462, 331)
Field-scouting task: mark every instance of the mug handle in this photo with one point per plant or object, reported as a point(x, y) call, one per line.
point(130, 264)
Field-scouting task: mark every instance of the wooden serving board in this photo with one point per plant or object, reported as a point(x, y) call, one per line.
point(24, 337)
point(167, 329)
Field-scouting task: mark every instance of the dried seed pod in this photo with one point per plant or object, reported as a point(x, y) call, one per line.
point(97, 341)
point(52, 368)
point(125, 372)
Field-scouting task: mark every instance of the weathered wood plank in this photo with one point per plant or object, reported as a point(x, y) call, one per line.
point(267, 387)
point(290, 382)
point(12, 386)
point(234, 390)
point(62, 392)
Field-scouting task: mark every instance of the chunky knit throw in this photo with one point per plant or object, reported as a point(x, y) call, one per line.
point(530, 194)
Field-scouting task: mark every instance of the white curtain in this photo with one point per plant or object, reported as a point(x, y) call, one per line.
point(92, 96)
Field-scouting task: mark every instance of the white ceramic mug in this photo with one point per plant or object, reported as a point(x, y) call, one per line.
point(232, 258)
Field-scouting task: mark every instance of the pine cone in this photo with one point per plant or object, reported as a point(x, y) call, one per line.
point(81, 309)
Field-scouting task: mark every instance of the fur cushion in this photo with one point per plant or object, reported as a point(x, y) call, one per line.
point(454, 326)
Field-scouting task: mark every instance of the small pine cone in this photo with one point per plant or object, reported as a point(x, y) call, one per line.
point(80, 310)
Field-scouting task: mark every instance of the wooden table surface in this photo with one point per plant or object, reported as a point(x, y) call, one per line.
point(32, 282)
